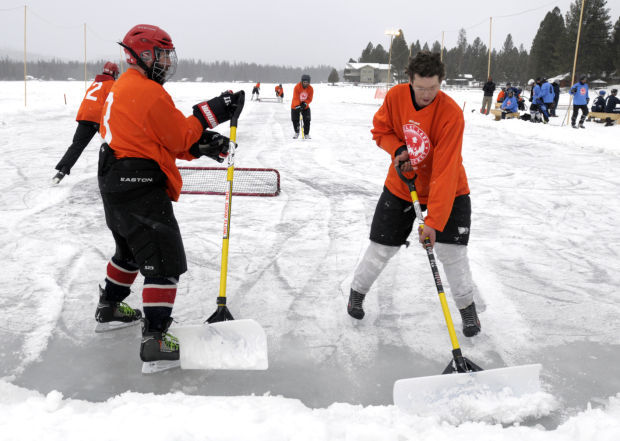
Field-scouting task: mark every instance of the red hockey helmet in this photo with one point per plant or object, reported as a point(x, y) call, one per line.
point(151, 48)
point(110, 69)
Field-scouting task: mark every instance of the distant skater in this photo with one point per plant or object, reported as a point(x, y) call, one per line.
point(302, 97)
point(88, 119)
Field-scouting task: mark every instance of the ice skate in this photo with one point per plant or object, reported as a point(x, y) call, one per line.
point(582, 126)
point(354, 307)
point(471, 323)
point(307, 136)
point(114, 315)
point(58, 177)
point(296, 135)
point(159, 350)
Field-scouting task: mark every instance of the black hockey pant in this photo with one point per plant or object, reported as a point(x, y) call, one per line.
point(306, 117)
point(84, 132)
point(584, 113)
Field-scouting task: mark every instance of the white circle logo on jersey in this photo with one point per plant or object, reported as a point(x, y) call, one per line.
point(303, 96)
point(418, 144)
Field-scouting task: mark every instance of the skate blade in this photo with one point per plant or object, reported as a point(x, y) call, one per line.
point(153, 367)
point(113, 326)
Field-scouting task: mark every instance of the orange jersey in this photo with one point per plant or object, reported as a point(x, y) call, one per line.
point(139, 120)
point(90, 109)
point(300, 94)
point(434, 138)
point(279, 91)
point(500, 96)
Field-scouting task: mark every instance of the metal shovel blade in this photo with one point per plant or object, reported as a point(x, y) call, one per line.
point(418, 395)
point(232, 344)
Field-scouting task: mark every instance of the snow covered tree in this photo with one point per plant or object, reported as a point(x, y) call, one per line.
point(594, 39)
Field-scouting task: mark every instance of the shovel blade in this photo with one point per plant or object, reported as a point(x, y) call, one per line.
point(232, 344)
point(419, 395)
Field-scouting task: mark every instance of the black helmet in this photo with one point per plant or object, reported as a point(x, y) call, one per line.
point(583, 78)
point(614, 90)
point(305, 77)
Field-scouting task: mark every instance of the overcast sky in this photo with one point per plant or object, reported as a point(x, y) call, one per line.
point(295, 33)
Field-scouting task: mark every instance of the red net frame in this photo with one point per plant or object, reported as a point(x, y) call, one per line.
point(246, 181)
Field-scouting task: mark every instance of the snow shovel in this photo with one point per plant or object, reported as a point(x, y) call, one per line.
point(223, 342)
point(461, 376)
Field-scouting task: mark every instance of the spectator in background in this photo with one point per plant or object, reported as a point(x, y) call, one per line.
point(580, 101)
point(510, 104)
point(537, 100)
point(487, 99)
point(548, 95)
point(501, 95)
point(611, 106)
point(556, 97)
point(599, 102)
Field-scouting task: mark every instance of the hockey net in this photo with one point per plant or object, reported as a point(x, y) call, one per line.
point(246, 181)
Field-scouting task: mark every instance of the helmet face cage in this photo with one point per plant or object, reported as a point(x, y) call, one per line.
point(164, 65)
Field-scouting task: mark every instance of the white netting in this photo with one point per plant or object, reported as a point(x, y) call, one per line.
point(246, 181)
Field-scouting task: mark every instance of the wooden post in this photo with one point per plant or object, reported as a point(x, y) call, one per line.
point(490, 46)
point(390, 63)
point(25, 69)
point(442, 37)
point(572, 81)
point(85, 72)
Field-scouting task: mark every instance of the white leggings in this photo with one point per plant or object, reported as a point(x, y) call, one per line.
point(452, 257)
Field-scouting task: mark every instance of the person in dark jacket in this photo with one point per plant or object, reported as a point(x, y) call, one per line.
point(556, 99)
point(487, 99)
point(611, 106)
point(599, 102)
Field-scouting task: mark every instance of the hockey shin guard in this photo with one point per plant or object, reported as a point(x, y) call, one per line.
point(458, 273)
point(375, 259)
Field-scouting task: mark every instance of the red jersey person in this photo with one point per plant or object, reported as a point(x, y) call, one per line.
point(88, 117)
point(255, 91)
point(144, 133)
point(420, 117)
point(279, 93)
point(300, 105)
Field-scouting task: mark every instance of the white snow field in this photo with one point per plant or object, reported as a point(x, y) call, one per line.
point(544, 249)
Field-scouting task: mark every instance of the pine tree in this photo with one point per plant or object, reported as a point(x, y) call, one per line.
point(400, 56)
point(379, 55)
point(478, 53)
point(614, 49)
point(548, 55)
point(333, 77)
point(594, 39)
point(366, 56)
point(508, 59)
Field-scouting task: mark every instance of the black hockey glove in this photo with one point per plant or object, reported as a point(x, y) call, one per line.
point(211, 144)
point(303, 105)
point(217, 110)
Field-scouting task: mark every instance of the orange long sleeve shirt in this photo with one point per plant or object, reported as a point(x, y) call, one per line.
point(300, 94)
point(140, 120)
point(434, 137)
point(96, 94)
